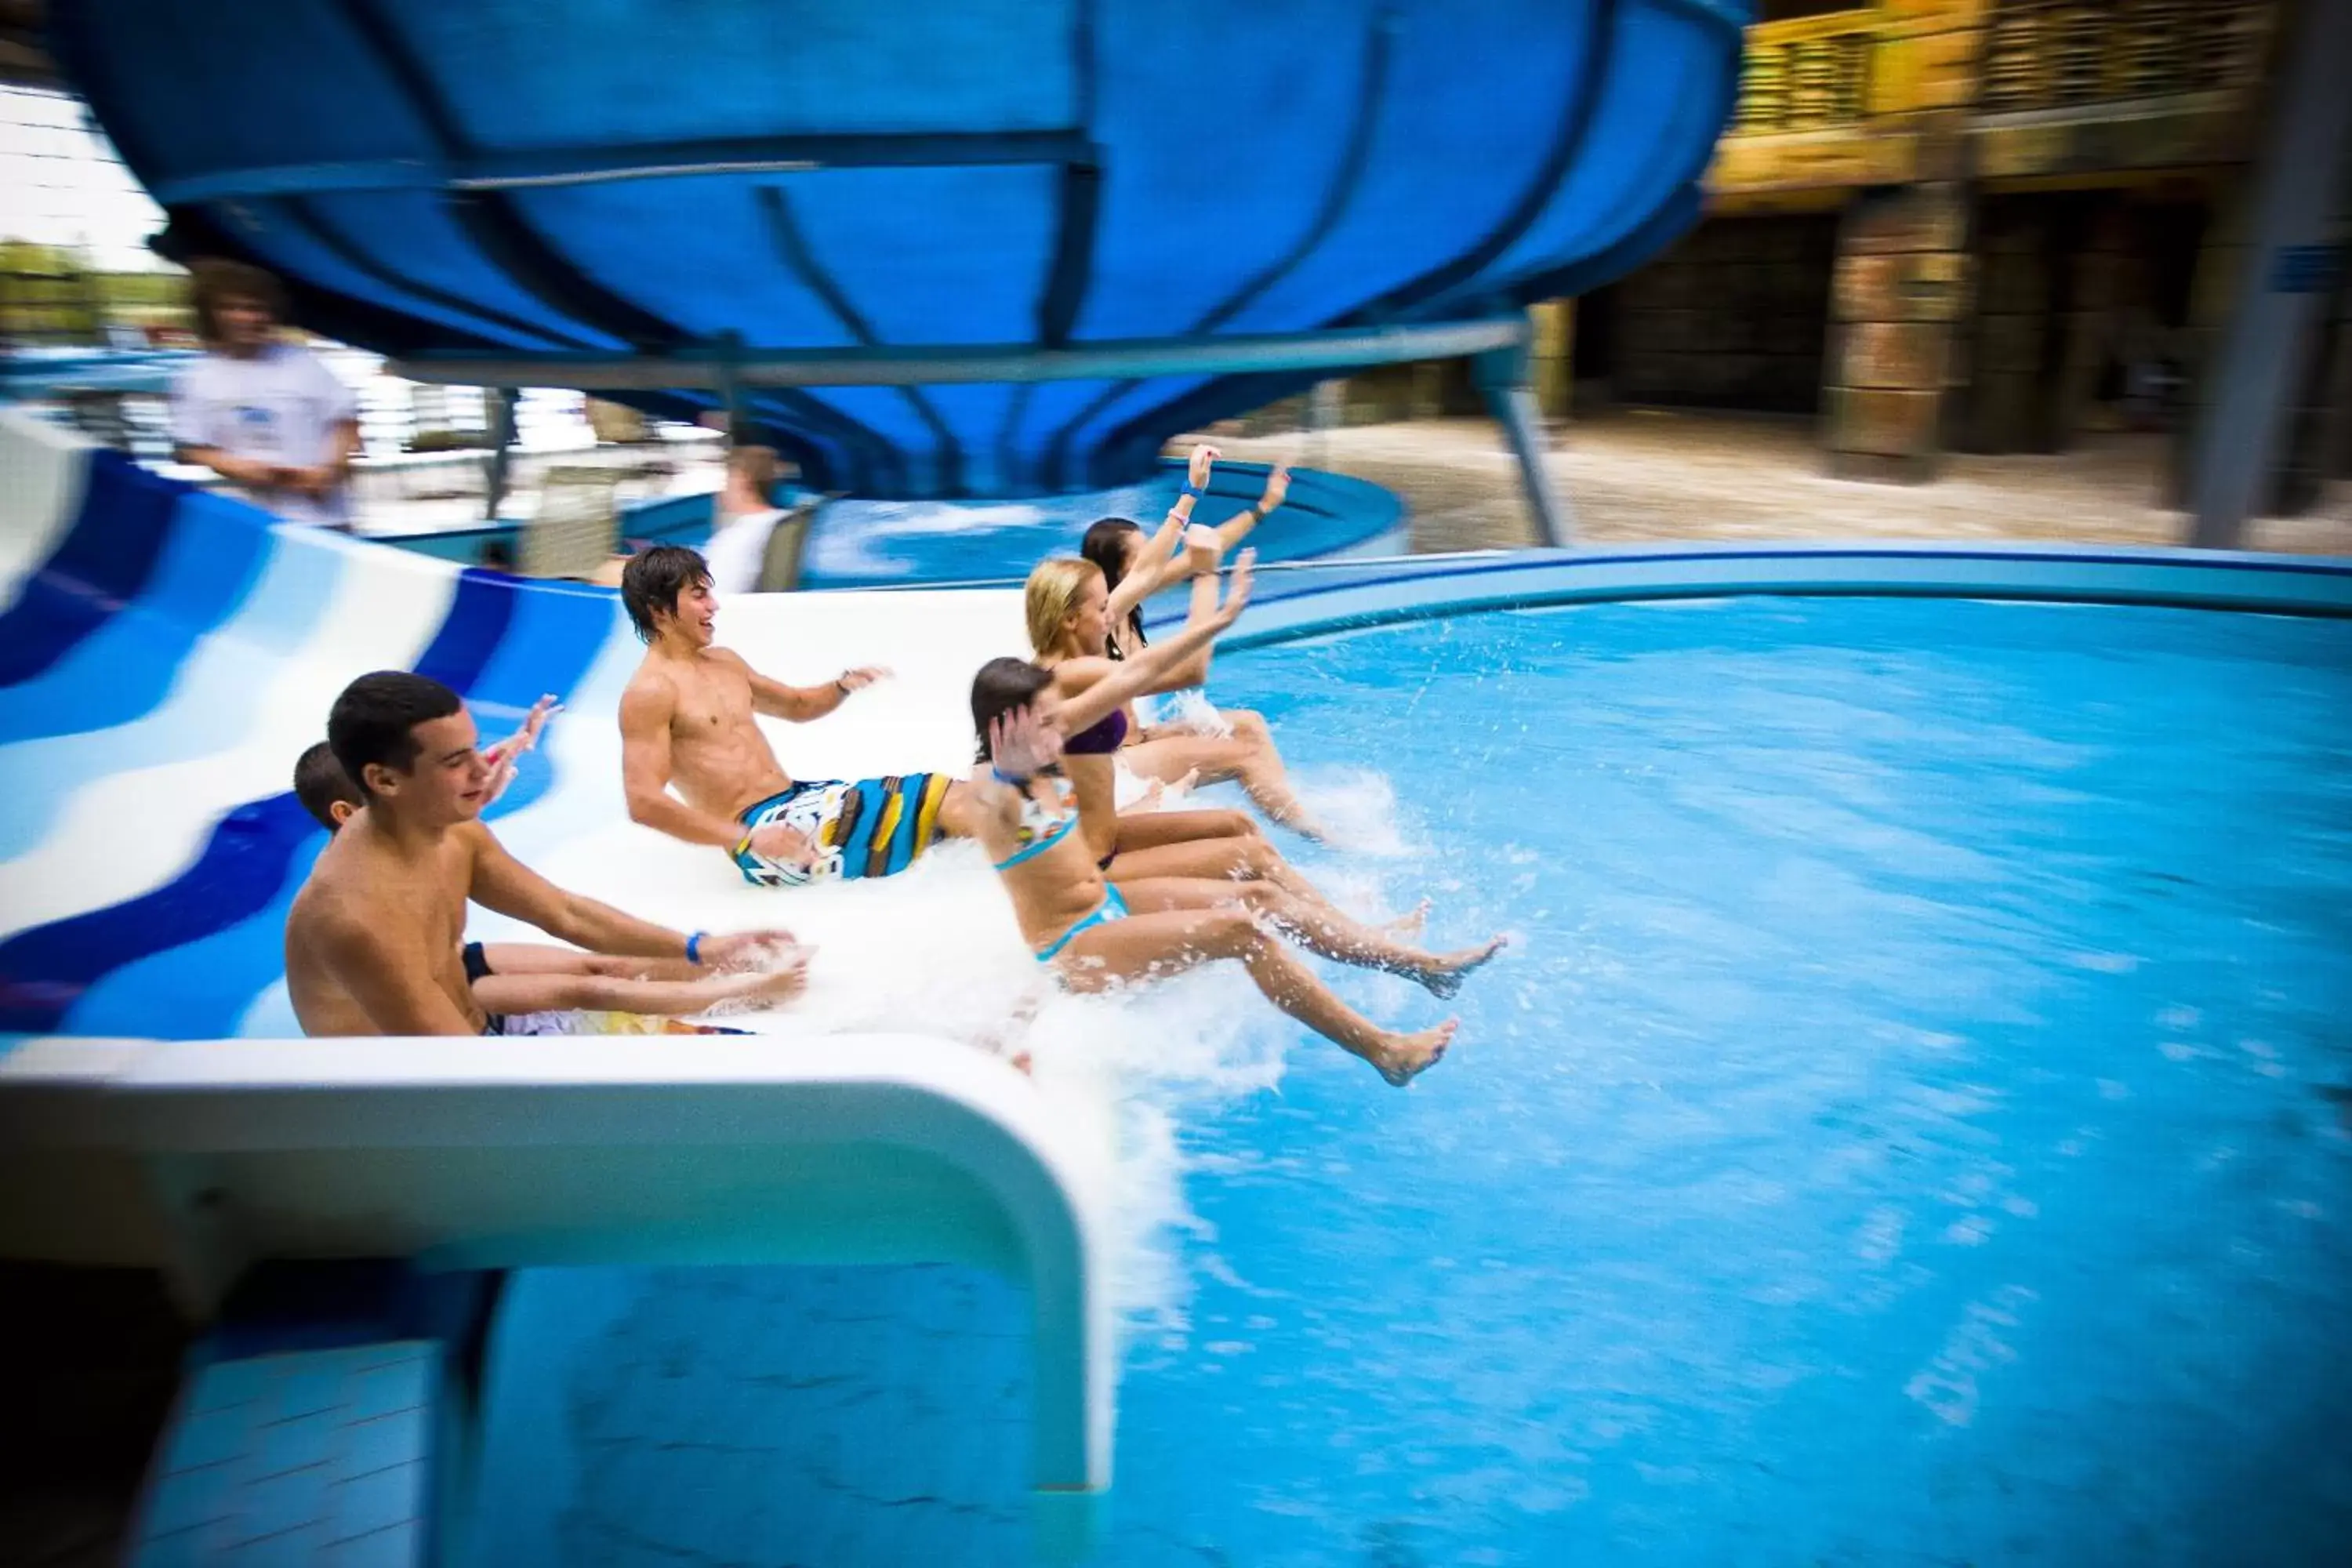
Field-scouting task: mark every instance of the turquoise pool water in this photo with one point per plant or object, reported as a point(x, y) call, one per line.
point(1914, 1125)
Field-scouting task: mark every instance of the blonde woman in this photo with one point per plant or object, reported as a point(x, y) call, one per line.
point(1066, 605)
point(1094, 933)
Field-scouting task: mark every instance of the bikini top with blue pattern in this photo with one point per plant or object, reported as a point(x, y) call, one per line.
point(1042, 826)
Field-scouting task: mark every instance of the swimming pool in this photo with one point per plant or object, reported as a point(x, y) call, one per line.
point(1912, 1126)
point(858, 543)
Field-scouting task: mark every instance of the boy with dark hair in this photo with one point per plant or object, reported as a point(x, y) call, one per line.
point(689, 718)
point(373, 940)
point(528, 989)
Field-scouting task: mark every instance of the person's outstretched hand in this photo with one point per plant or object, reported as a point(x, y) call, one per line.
point(503, 756)
point(1277, 489)
point(861, 678)
point(783, 845)
point(1237, 589)
point(744, 950)
point(1021, 746)
point(1205, 458)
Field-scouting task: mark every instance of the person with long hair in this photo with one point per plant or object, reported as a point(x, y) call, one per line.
point(1094, 933)
point(1066, 603)
point(1198, 743)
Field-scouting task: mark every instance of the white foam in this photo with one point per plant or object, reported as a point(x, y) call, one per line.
point(1358, 806)
point(935, 950)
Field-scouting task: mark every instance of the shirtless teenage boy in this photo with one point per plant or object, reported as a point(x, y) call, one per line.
point(532, 988)
point(372, 942)
point(688, 722)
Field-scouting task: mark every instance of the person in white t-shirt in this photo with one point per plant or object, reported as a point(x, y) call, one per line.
point(265, 415)
point(743, 518)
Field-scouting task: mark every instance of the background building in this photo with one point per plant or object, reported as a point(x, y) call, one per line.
point(1977, 226)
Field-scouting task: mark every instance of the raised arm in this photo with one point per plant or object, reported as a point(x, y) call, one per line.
point(1150, 670)
point(799, 704)
point(1018, 747)
point(646, 708)
point(1155, 563)
point(1237, 528)
point(1203, 549)
point(503, 756)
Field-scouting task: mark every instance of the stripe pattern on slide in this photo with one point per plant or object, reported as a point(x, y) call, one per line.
point(507, 642)
point(103, 562)
point(108, 957)
point(214, 552)
point(292, 596)
point(119, 832)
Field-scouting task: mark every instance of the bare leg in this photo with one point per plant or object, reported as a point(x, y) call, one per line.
point(1149, 946)
point(1245, 857)
point(1254, 762)
point(1146, 831)
point(1314, 926)
point(556, 991)
point(538, 958)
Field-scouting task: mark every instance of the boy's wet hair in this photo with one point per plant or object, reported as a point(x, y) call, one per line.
point(655, 578)
point(319, 782)
point(375, 719)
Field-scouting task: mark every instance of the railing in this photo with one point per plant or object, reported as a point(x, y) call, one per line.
point(1806, 74)
point(2053, 54)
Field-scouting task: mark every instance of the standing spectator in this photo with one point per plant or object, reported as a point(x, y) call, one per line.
point(743, 516)
point(264, 414)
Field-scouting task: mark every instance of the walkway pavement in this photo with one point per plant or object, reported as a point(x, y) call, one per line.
point(1656, 475)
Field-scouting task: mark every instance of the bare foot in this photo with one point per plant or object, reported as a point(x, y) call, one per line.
point(1186, 784)
point(1446, 974)
point(1149, 799)
point(784, 983)
point(1410, 925)
point(1407, 1057)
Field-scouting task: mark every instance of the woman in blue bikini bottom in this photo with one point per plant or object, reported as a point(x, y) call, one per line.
point(1096, 936)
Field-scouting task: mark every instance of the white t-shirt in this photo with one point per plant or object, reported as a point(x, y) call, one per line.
point(739, 548)
point(281, 406)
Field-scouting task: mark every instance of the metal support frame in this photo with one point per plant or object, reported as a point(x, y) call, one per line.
point(1502, 377)
point(502, 440)
point(2289, 268)
point(730, 388)
point(465, 169)
point(708, 368)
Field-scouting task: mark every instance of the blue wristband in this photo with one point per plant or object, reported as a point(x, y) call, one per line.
point(1195, 491)
point(694, 948)
point(1005, 778)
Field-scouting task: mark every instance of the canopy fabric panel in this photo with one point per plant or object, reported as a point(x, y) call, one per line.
point(627, 177)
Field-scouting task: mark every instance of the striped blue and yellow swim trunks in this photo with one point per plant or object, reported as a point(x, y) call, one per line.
point(869, 827)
